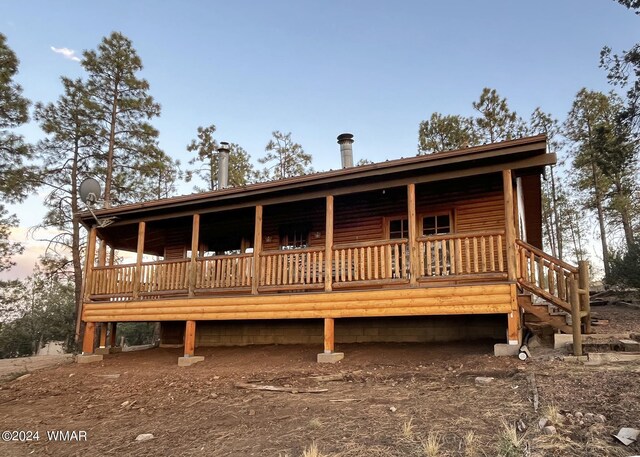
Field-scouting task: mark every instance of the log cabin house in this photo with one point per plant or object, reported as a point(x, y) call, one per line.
point(437, 247)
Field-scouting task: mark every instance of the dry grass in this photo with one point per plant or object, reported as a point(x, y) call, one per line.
point(552, 412)
point(315, 423)
point(312, 451)
point(509, 443)
point(470, 444)
point(407, 429)
point(432, 445)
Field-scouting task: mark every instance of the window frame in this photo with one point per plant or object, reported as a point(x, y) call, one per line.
point(422, 216)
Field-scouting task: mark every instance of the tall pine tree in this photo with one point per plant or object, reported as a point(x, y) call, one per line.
point(130, 154)
point(284, 158)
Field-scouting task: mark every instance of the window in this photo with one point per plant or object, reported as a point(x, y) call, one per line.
point(294, 237)
point(398, 228)
point(436, 224)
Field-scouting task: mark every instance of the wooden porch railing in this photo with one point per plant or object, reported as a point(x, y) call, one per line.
point(116, 280)
point(557, 282)
point(441, 256)
point(292, 269)
point(164, 276)
point(224, 272)
point(372, 262)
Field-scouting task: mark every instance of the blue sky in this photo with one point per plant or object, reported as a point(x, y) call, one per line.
point(321, 68)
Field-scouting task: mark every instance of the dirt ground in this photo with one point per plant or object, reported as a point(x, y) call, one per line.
point(389, 400)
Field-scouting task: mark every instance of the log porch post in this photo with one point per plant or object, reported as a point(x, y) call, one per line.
point(328, 246)
point(329, 335)
point(103, 335)
point(195, 240)
point(112, 256)
point(413, 245)
point(87, 340)
point(112, 335)
point(189, 346)
point(257, 250)
point(90, 260)
point(140, 252)
point(585, 303)
point(513, 318)
point(576, 317)
point(102, 253)
point(510, 224)
point(190, 339)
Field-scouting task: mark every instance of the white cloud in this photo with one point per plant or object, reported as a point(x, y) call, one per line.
point(67, 53)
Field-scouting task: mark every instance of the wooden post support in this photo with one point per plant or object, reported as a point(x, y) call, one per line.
point(585, 302)
point(328, 246)
point(193, 266)
point(112, 335)
point(190, 339)
point(103, 335)
point(413, 235)
point(329, 335)
point(89, 335)
point(102, 253)
point(140, 252)
point(510, 224)
point(257, 250)
point(112, 256)
point(513, 325)
point(575, 316)
point(90, 260)
point(86, 283)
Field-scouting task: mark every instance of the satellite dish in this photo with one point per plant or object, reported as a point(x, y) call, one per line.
point(89, 191)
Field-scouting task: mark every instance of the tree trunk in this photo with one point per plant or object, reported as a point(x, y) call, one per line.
point(556, 219)
point(603, 234)
point(624, 215)
point(75, 240)
point(110, 151)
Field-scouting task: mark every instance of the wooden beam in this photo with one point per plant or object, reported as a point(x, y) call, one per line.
point(112, 256)
point(328, 246)
point(140, 252)
point(112, 335)
point(190, 339)
point(193, 265)
point(89, 335)
point(329, 335)
point(413, 235)
point(585, 302)
point(90, 261)
point(513, 320)
point(103, 335)
point(102, 253)
point(576, 318)
point(510, 224)
point(257, 250)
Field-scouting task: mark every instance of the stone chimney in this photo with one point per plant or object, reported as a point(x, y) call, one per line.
point(345, 140)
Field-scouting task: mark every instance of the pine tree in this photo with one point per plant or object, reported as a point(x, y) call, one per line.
point(284, 158)
point(17, 178)
point(496, 121)
point(130, 153)
point(590, 110)
point(206, 148)
point(68, 154)
point(445, 132)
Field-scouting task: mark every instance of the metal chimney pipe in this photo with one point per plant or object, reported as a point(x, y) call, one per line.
point(223, 165)
point(345, 140)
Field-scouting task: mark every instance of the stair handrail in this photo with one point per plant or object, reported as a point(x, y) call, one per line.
point(572, 285)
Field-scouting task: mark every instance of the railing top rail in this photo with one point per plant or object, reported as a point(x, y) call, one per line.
point(447, 236)
point(114, 267)
point(164, 262)
point(230, 256)
point(293, 251)
point(366, 244)
point(547, 257)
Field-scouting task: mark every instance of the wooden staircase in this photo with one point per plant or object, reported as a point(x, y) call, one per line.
point(552, 290)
